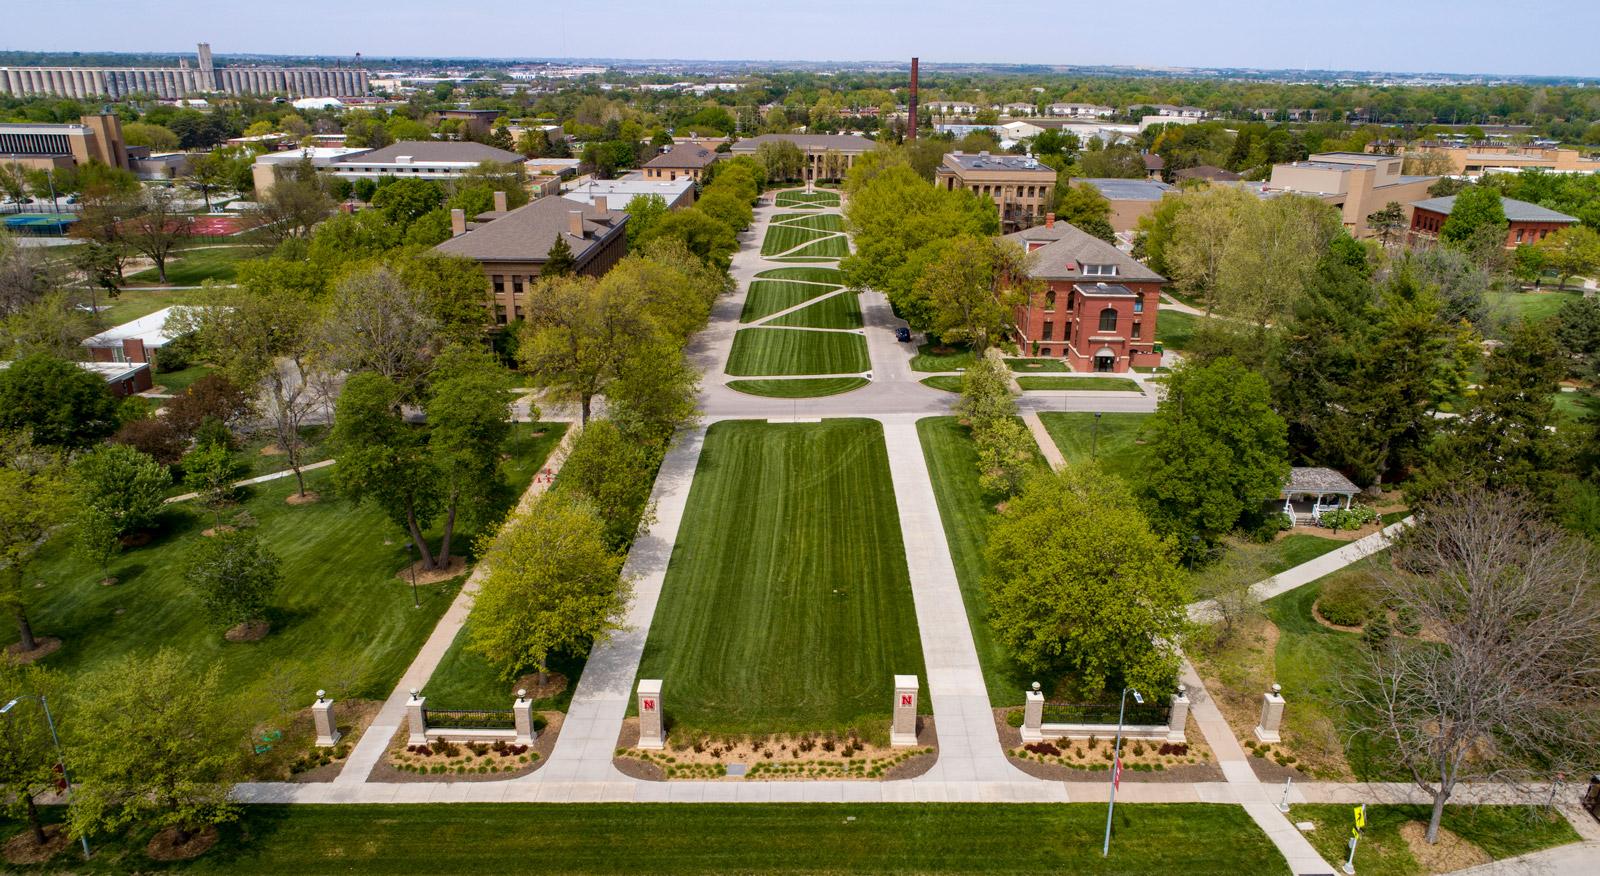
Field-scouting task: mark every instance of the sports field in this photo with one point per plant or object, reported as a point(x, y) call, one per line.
point(787, 606)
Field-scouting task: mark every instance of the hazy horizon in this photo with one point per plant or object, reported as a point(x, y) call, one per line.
point(1462, 37)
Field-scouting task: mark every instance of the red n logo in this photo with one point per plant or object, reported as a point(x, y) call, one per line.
point(649, 705)
point(905, 699)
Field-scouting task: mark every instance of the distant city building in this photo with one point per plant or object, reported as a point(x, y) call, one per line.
point(1019, 185)
point(1081, 110)
point(1525, 222)
point(1175, 112)
point(48, 147)
point(1098, 307)
point(1476, 159)
point(182, 81)
point(407, 159)
point(1014, 110)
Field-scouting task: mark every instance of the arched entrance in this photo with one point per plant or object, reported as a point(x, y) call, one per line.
point(1105, 360)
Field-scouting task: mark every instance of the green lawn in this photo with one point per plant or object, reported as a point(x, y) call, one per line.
point(816, 275)
point(192, 267)
point(842, 311)
point(937, 356)
point(966, 512)
point(767, 297)
point(1174, 329)
point(1037, 364)
point(1501, 831)
point(1535, 306)
point(176, 382)
point(787, 604)
point(1081, 384)
point(782, 238)
point(946, 382)
point(670, 838)
point(257, 463)
point(465, 679)
point(131, 304)
point(1267, 559)
point(1573, 407)
point(813, 387)
point(340, 612)
point(763, 352)
point(835, 247)
point(1118, 449)
point(815, 221)
point(797, 198)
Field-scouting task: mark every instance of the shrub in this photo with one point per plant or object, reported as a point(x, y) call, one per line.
point(154, 437)
point(1377, 630)
point(1042, 748)
point(1354, 517)
point(1406, 621)
point(1346, 602)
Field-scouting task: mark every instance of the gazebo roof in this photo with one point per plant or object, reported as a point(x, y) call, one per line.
point(1318, 480)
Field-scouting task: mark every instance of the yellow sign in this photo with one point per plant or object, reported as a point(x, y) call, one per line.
point(1361, 817)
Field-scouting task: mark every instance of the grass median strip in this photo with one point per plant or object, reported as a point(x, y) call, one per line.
point(1080, 384)
point(834, 247)
point(841, 311)
point(782, 238)
point(787, 606)
point(814, 275)
point(771, 352)
point(767, 297)
point(804, 387)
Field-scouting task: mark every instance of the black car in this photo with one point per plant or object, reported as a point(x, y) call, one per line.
point(902, 334)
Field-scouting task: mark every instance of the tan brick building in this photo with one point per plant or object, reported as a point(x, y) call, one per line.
point(46, 147)
point(1019, 185)
point(1358, 183)
point(683, 161)
point(828, 156)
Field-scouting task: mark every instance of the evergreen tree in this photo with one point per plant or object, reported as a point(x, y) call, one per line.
point(559, 262)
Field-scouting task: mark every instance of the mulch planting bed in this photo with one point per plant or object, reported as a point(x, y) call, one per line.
point(1075, 760)
point(466, 762)
point(815, 757)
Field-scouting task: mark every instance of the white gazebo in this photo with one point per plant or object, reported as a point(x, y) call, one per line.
point(1311, 492)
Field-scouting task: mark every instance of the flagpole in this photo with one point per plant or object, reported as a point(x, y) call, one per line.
point(1116, 765)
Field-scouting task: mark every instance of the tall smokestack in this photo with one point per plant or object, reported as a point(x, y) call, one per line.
point(911, 117)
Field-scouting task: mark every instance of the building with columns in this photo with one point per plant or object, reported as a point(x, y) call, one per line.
point(1019, 185)
point(828, 156)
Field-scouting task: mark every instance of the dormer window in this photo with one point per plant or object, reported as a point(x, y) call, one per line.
point(1089, 270)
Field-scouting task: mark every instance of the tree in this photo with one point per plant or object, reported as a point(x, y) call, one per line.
point(210, 470)
point(615, 473)
point(654, 393)
point(53, 325)
point(1271, 257)
point(712, 241)
point(27, 753)
point(25, 275)
point(1189, 237)
point(121, 485)
point(1388, 222)
point(1217, 450)
point(212, 172)
point(1430, 162)
point(213, 396)
point(38, 498)
point(781, 160)
point(986, 395)
point(1007, 456)
point(296, 202)
point(156, 227)
point(404, 201)
point(973, 289)
point(1476, 207)
point(1577, 330)
point(1573, 251)
point(643, 212)
point(233, 575)
point(1505, 686)
point(376, 322)
point(1078, 582)
point(154, 437)
point(553, 586)
point(558, 261)
point(468, 424)
point(578, 334)
point(383, 460)
point(61, 404)
point(155, 746)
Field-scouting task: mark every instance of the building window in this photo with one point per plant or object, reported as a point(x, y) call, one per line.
point(1108, 319)
point(1136, 328)
point(1071, 298)
point(499, 284)
point(1048, 334)
point(1138, 305)
point(516, 285)
point(1099, 270)
point(1050, 300)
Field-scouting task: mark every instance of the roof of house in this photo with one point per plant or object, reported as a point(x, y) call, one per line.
point(527, 233)
point(1317, 480)
point(690, 155)
point(465, 151)
point(1516, 211)
point(1207, 171)
point(111, 372)
point(841, 142)
point(1153, 161)
point(1067, 247)
point(152, 329)
point(986, 161)
point(1129, 189)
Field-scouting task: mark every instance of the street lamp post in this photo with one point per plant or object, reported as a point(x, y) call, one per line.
point(1094, 444)
point(61, 756)
point(1116, 758)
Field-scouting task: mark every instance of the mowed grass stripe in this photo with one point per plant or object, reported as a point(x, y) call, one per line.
point(842, 311)
point(764, 352)
point(814, 221)
point(787, 606)
point(767, 297)
point(815, 275)
point(836, 247)
point(782, 238)
point(797, 198)
point(801, 387)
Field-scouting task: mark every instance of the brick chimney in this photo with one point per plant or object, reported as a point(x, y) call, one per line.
point(458, 222)
point(500, 201)
point(1049, 220)
point(600, 203)
point(575, 223)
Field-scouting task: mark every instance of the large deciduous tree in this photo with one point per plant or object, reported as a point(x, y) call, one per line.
point(59, 403)
point(973, 288)
point(385, 461)
point(121, 485)
point(1080, 584)
point(27, 753)
point(1507, 683)
point(376, 322)
point(578, 334)
point(554, 586)
point(469, 421)
point(157, 227)
point(233, 574)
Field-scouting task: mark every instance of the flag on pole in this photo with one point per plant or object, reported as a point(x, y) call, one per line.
point(1116, 774)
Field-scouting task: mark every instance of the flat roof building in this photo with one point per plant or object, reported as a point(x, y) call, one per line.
point(618, 193)
point(49, 146)
point(137, 341)
point(1019, 186)
point(1357, 183)
point(1130, 199)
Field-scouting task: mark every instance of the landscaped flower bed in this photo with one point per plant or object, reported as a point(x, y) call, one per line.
point(798, 757)
point(1093, 754)
point(440, 758)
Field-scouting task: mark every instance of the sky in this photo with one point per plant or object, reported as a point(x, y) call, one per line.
point(1555, 37)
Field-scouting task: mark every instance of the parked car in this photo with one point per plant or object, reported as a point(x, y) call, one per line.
point(903, 335)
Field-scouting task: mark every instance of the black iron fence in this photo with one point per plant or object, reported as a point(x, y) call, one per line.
point(472, 719)
point(1103, 713)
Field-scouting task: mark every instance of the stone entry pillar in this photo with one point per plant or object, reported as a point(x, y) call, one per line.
point(417, 718)
point(1271, 714)
point(903, 732)
point(322, 717)
point(1178, 717)
point(522, 714)
point(650, 722)
point(1033, 715)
